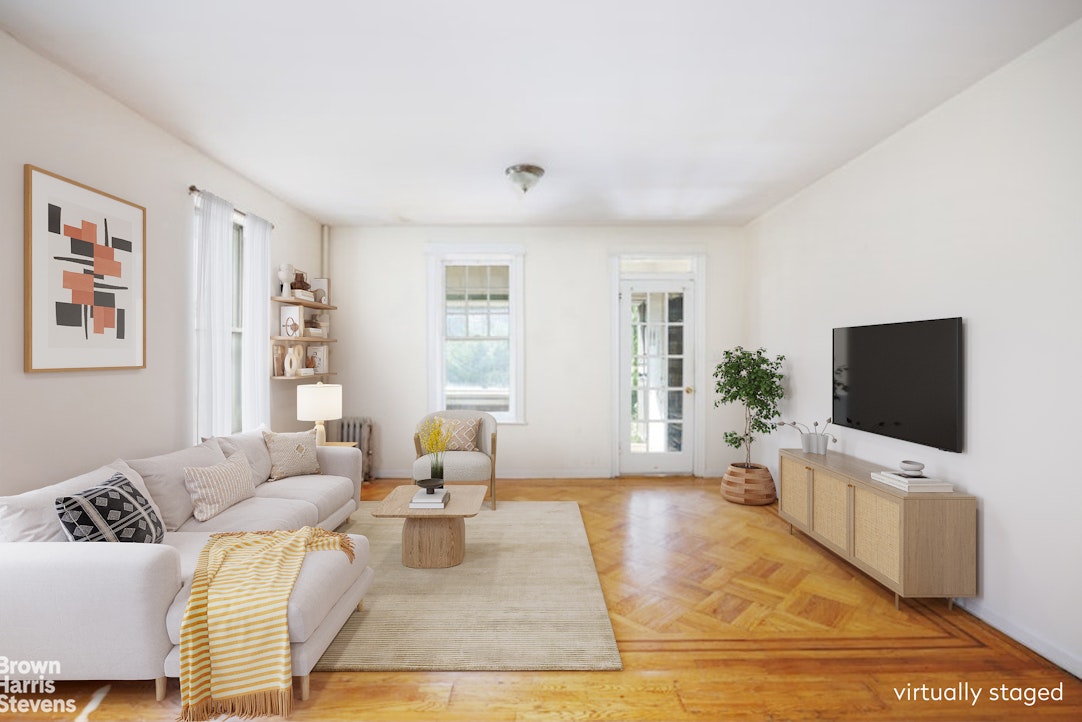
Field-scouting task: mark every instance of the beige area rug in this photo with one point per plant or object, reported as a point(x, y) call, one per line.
point(526, 597)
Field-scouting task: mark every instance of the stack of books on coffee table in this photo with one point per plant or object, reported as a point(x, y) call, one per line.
point(436, 500)
point(911, 483)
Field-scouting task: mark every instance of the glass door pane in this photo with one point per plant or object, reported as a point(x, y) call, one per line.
point(656, 363)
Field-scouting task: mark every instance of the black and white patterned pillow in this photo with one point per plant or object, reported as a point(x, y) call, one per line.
point(112, 511)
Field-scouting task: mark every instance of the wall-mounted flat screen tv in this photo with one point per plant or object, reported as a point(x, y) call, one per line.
point(902, 380)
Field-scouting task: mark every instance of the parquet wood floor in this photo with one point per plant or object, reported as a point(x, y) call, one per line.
point(720, 614)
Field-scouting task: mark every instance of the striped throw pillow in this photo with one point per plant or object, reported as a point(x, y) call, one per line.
point(216, 488)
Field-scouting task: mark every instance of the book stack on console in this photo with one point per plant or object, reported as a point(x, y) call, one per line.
point(436, 500)
point(911, 483)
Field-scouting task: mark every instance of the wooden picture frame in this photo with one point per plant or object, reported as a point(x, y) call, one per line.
point(84, 277)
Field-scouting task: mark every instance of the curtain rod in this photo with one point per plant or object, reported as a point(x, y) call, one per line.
point(194, 189)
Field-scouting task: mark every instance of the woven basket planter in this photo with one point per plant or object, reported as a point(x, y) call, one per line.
point(752, 485)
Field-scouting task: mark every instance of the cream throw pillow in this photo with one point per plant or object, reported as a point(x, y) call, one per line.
point(216, 488)
point(463, 433)
point(292, 454)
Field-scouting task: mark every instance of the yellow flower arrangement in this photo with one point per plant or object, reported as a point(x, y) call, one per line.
point(435, 435)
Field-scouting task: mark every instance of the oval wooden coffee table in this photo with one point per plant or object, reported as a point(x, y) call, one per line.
point(433, 538)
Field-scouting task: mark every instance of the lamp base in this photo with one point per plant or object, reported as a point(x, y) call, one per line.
point(321, 434)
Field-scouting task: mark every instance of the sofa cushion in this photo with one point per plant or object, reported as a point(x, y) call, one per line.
point(328, 493)
point(216, 488)
point(254, 447)
point(258, 514)
point(112, 511)
point(31, 516)
point(292, 454)
point(323, 579)
point(164, 478)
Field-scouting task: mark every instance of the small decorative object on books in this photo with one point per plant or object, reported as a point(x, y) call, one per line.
point(911, 468)
point(321, 288)
point(812, 440)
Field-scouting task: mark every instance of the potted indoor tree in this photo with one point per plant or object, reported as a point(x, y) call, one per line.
point(752, 379)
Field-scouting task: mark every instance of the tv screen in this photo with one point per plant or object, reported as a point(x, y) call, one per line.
point(902, 380)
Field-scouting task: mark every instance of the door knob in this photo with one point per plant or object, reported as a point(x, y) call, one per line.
point(688, 389)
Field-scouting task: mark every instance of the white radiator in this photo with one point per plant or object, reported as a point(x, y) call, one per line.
point(358, 429)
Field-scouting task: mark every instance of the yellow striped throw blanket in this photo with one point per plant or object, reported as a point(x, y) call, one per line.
point(234, 640)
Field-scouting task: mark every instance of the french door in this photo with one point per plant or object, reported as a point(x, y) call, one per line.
point(656, 372)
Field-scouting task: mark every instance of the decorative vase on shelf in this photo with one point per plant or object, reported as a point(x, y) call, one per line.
point(279, 361)
point(285, 276)
point(294, 360)
point(814, 443)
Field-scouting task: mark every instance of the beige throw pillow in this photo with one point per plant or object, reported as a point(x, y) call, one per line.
point(463, 433)
point(292, 454)
point(216, 488)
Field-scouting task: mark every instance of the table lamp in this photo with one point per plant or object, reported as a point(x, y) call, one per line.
point(319, 402)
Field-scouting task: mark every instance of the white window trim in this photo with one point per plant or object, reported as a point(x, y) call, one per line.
point(442, 255)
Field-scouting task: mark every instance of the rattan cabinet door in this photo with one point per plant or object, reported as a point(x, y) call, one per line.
point(830, 509)
point(793, 499)
point(877, 532)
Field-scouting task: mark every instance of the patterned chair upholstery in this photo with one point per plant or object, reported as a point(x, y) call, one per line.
point(476, 466)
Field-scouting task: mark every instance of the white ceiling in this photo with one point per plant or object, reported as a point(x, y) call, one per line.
point(641, 111)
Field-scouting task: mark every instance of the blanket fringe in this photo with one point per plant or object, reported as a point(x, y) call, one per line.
point(246, 706)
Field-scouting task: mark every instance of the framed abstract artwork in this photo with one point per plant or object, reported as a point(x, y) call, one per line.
point(84, 282)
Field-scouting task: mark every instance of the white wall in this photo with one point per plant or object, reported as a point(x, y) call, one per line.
point(972, 211)
point(379, 282)
point(57, 424)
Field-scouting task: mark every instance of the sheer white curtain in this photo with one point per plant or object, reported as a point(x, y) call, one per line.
point(213, 315)
point(255, 351)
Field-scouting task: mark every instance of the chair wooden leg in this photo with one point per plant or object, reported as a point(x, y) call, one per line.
point(306, 687)
point(360, 606)
point(159, 688)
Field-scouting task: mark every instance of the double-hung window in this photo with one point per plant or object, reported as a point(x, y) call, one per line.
point(475, 315)
point(232, 288)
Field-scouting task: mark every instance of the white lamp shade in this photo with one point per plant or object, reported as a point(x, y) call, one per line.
point(319, 402)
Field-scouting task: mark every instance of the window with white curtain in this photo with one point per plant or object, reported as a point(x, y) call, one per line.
point(475, 315)
point(232, 290)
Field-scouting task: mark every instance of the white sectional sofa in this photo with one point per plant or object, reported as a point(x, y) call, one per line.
point(113, 610)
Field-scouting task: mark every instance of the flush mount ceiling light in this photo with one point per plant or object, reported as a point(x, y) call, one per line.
point(524, 175)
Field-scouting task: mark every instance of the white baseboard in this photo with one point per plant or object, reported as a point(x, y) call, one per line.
point(1070, 661)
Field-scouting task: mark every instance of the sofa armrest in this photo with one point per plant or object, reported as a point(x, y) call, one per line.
point(347, 461)
point(96, 609)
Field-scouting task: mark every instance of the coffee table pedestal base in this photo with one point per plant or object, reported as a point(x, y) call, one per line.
point(433, 542)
